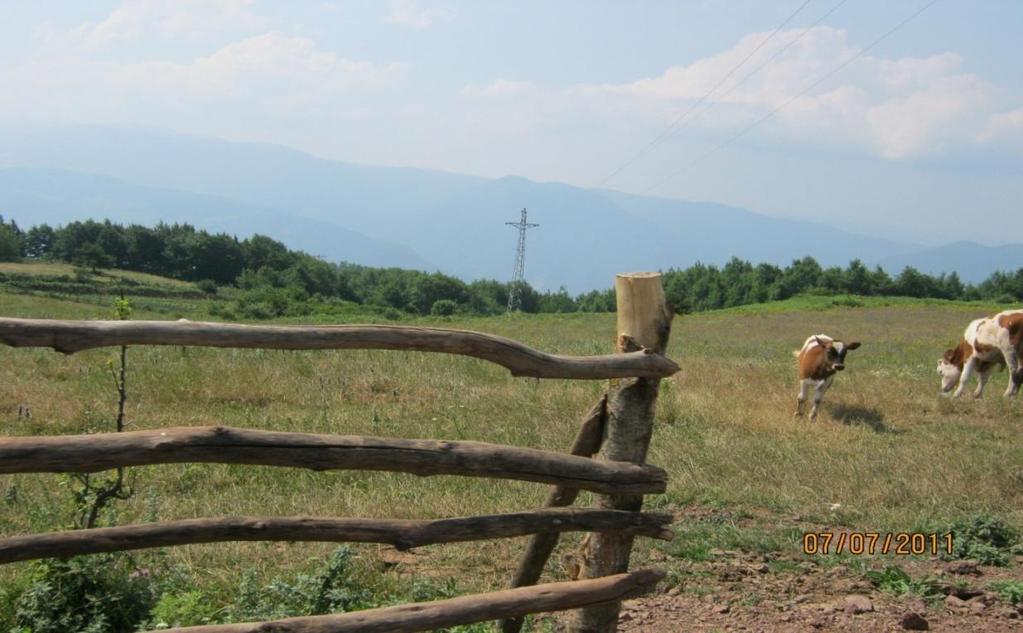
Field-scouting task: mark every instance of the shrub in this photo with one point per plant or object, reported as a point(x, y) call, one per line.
point(1009, 590)
point(190, 608)
point(893, 579)
point(334, 589)
point(443, 307)
point(986, 539)
point(207, 286)
point(89, 594)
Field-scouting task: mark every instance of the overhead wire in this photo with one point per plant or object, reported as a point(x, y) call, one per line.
point(778, 108)
point(781, 50)
point(667, 131)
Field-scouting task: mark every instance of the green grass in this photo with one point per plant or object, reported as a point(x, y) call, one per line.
point(1009, 590)
point(888, 449)
point(894, 580)
point(103, 275)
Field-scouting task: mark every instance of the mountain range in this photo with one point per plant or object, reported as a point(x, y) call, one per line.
point(415, 218)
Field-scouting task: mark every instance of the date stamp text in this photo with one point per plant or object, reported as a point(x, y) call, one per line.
point(871, 543)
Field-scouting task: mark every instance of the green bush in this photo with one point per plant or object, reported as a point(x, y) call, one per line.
point(893, 579)
point(1009, 590)
point(986, 539)
point(104, 593)
point(190, 608)
point(443, 307)
point(333, 589)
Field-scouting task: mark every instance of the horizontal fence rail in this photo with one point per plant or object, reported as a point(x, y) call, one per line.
point(402, 534)
point(225, 445)
point(73, 336)
point(428, 616)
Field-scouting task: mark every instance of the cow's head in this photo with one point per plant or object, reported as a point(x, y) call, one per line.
point(950, 367)
point(834, 353)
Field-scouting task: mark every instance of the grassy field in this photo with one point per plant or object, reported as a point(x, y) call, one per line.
point(101, 276)
point(887, 453)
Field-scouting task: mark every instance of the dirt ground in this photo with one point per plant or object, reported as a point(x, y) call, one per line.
point(785, 592)
point(745, 598)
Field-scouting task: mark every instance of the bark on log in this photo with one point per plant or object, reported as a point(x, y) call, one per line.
point(224, 445)
point(644, 319)
point(540, 547)
point(72, 336)
point(401, 534)
point(428, 616)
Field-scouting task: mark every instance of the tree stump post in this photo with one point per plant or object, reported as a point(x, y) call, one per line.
point(644, 321)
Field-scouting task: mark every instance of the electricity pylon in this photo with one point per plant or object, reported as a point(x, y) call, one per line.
point(518, 276)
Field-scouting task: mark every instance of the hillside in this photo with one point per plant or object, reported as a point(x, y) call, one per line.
point(401, 216)
point(972, 261)
point(55, 196)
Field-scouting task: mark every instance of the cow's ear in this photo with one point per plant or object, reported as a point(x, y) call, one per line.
point(853, 345)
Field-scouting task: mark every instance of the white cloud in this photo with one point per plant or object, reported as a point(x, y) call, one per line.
point(498, 88)
point(263, 73)
point(409, 13)
point(281, 64)
point(167, 20)
point(1003, 124)
point(891, 108)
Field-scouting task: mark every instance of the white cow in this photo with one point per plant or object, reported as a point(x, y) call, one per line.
point(994, 341)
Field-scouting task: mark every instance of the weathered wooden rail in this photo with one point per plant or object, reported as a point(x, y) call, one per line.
point(402, 535)
point(430, 616)
point(608, 458)
point(224, 445)
point(74, 336)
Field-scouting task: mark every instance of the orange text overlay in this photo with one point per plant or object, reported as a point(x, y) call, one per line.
point(870, 543)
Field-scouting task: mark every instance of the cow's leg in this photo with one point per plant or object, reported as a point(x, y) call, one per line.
point(804, 388)
point(982, 378)
point(968, 370)
point(1015, 372)
point(818, 395)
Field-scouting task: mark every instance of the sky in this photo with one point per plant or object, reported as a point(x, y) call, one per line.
point(805, 109)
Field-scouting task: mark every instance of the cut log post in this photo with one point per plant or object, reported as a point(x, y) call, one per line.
point(540, 547)
point(402, 534)
point(644, 320)
point(429, 616)
point(72, 336)
point(224, 445)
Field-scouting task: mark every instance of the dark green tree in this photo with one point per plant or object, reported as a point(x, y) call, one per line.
point(39, 241)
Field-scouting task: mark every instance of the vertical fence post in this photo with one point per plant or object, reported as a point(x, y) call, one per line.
point(644, 320)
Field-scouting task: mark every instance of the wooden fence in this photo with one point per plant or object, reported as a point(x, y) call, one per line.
point(617, 431)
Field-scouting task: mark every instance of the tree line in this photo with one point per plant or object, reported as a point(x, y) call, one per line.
point(702, 287)
point(273, 280)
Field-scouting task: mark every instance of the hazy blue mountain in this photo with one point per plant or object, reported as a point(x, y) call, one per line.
point(974, 262)
point(586, 236)
point(258, 173)
point(415, 218)
point(56, 196)
point(712, 233)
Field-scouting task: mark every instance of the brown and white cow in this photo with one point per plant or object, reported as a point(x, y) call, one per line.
point(820, 358)
point(995, 341)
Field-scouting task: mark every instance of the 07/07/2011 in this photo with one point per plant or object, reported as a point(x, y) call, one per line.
point(870, 543)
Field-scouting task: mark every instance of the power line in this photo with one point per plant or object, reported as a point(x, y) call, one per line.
point(777, 109)
point(667, 131)
point(781, 50)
